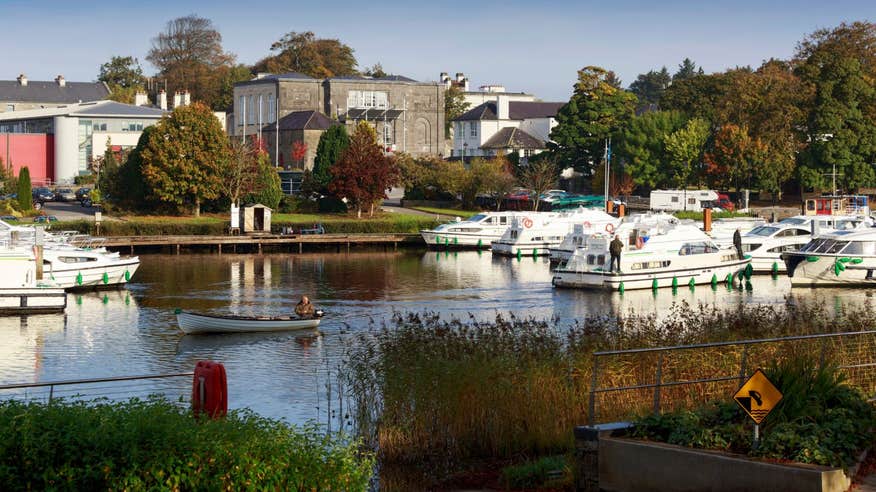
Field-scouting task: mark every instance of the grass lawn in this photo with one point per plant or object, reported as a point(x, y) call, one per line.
point(448, 211)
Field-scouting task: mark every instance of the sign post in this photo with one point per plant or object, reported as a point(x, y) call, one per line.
point(758, 397)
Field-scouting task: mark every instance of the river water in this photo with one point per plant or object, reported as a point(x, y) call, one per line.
point(290, 375)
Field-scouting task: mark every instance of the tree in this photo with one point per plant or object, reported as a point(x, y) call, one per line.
point(305, 53)
point(329, 150)
point(685, 147)
point(687, 69)
point(540, 176)
point(25, 194)
point(124, 77)
point(840, 64)
point(240, 170)
point(108, 171)
point(299, 152)
point(485, 176)
point(649, 87)
point(184, 157)
point(364, 173)
point(642, 145)
point(454, 106)
point(696, 96)
point(266, 186)
point(596, 111)
point(728, 162)
point(375, 71)
point(136, 195)
point(228, 76)
point(188, 55)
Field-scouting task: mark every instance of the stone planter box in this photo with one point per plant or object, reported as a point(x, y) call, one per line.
point(634, 465)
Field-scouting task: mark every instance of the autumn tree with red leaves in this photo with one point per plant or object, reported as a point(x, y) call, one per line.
point(299, 152)
point(363, 173)
point(727, 162)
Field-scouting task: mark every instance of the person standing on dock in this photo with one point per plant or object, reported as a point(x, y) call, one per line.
point(737, 243)
point(304, 309)
point(615, 249)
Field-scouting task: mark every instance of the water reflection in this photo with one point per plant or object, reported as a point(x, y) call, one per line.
point(290, 375)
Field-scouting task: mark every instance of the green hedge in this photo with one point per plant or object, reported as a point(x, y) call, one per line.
point(184, 227)
point(154, 445)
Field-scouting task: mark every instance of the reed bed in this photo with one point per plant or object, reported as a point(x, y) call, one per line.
point(434, 392)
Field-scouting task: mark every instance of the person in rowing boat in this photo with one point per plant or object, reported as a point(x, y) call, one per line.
point(304, 309)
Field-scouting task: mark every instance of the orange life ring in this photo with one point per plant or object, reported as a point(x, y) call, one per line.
point(587, 225)
point(527, 222)
point(609, 228)
point(640, 243)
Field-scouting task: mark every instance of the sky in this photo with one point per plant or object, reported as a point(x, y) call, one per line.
point(534, 47)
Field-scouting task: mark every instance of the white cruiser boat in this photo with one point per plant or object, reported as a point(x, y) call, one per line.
point(661, 255)
point(70, 266)
point(766, 243)
point(723, 229)
point(534, 235)
point(578, 237)
point(477, 231)
point(21, 292)
point(835, 259)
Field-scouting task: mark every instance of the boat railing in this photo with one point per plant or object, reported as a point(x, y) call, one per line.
point(174, 386)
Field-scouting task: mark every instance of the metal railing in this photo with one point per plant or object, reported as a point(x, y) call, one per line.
point(628, 383)
point(93, 388)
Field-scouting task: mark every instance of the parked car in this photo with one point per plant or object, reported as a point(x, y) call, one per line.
point(8, 218)
point(82, 193)
point(43, 194)
point(45, 218)
point(65, 195)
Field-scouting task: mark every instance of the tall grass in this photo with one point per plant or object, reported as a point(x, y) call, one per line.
point(435, 392)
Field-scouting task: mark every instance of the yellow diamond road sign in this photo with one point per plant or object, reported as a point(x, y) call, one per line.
point(758, 396)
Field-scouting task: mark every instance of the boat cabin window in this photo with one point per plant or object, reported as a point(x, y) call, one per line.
point(860, 248)
point(748, 248)
point(503, 220)
point(465, 229)
point(793, 221)
point(793, 232)
point(75, 259)
point(783, 249)
point(845, 225)
point(591, 259)
point(478, 218)
point(824, 245)
point(648, 265)
point(763, 231)
point(697, 248)
point(600, 259)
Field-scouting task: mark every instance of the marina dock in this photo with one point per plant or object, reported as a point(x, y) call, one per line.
point(257, 243)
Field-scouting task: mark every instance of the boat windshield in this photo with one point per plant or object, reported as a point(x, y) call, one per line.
point(860, 248)
point(763, 231)
point(698, 248)
point(824, 245)
point(477, 218)
point(793, 221)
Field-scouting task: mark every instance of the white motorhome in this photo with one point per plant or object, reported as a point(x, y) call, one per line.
point(694, 200)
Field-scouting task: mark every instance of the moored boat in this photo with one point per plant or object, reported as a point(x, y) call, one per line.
point(655, 256)
point(579, 235)
point(195, 323)
point(534, 235)
point(477, 231)
point(835, 259)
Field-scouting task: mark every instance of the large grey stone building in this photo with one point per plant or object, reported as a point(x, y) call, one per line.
point(408, 115)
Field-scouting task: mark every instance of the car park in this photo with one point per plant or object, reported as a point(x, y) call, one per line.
point(65, 195)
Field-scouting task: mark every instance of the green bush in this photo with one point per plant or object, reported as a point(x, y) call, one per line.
point(820, 420)
point(155, 445)
point(550, 471)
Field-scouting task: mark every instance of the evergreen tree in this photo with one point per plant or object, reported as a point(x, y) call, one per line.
point(687, 69)
point(331, 146)
point(25, 195)
point(267, 186)
point(649, 87)
point(642, 146)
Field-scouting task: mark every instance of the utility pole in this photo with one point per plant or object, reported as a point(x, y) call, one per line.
point(607, 170)
point(833, 176)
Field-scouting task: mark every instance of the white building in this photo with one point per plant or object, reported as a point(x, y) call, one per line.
point(504, 124)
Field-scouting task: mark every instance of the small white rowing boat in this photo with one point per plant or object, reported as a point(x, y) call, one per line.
point(192, 323)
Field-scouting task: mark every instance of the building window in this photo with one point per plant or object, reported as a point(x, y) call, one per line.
point(368, 99)
point(251, 110)
point(272, 109)
point(474, 129)
point(130, 126)
point(10, 107)
point(260, 110)
point(241, 110)
point(99, 127)
point(387, 134)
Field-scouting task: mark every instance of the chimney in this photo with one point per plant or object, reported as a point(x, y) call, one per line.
point(140, 99)
point(460, 77)
point(162, 100)
point(186, 98)
point(502, 107)
point(60, 81)
point(22, 79)
point(177, 99)
point(445, 79)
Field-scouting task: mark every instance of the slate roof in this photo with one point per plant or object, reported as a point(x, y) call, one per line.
point(362, 78)
point(112, 108)
point(277, 76)
point(485, 111)
point(524, 110)
point(303, 120)
point(37, 91)
point(513, 138)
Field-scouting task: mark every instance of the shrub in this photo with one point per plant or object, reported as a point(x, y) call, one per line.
point(820, 420)
point(155, 445)
point(25, 197)
point(550, 471)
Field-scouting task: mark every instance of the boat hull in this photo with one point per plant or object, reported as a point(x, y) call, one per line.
point(645, 280)
point(523, 249)
point(193, 324)
point(822, 272)
point(111, 274)
point(457, 240)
